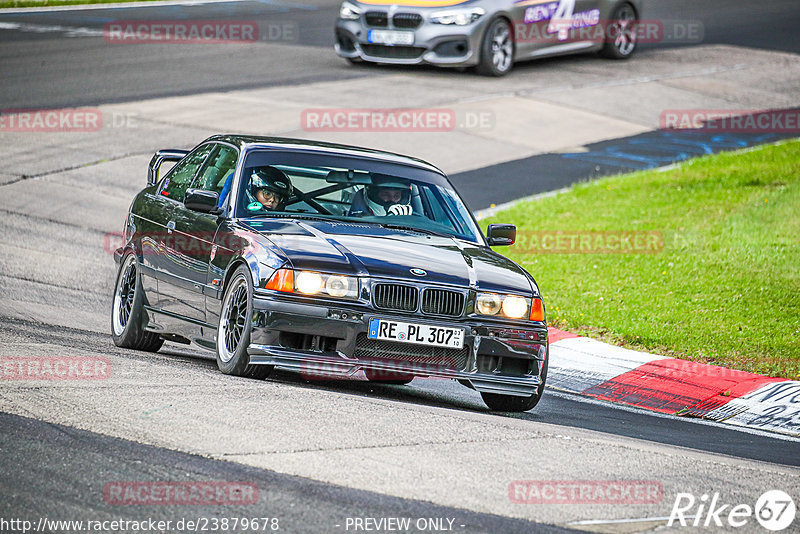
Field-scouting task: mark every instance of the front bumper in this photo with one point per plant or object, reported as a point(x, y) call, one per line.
point(435, 44)
point(331, 340)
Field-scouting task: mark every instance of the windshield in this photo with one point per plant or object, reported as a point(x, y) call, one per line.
point(399, 198)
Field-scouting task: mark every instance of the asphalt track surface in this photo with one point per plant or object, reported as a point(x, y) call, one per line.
point(44, 66)
point(555, 408)
point(57, 471)
point(552, 171)
point(56, 476)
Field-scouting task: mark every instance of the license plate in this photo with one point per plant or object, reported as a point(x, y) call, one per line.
point(389, 37)
point(421, 334)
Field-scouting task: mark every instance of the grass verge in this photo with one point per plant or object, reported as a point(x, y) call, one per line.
point(725, 287)
point(51, 3)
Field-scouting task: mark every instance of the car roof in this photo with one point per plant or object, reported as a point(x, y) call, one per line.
point(254, 141)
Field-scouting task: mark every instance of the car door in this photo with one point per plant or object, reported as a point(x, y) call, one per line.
point(544, 27)
point(194, 234)
point(175, 256)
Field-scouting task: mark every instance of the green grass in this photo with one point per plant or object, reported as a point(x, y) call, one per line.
point(725, 288)
point(50, 3)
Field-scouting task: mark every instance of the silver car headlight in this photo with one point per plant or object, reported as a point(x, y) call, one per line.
point(349, 11)
point(457, 17)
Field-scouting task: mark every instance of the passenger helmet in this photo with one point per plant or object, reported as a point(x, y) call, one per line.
point(271, 179)
point(380, 182)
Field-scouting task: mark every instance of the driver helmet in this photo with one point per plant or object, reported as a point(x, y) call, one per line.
point(387, 191)
point(270, 179)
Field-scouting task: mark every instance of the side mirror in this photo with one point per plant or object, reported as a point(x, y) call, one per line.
point(202, 201)
point(172, 154)
point(498, 235)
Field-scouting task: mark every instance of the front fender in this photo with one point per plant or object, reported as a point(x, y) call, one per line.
point(235, 245)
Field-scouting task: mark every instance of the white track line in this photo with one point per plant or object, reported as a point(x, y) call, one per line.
point(623, 521)
point(157, 3)
point(69, 31)
point(693, 420)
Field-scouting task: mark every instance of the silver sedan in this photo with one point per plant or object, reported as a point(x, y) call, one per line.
point(488, 34)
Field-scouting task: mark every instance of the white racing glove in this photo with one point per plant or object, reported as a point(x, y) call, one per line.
point(399, 209)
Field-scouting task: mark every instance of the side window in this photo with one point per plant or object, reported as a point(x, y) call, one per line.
point(217, 168)
point(179, 178)
point(437, 212)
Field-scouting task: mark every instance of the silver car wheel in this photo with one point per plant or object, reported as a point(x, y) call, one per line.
point(624, 31)
point(502, 47)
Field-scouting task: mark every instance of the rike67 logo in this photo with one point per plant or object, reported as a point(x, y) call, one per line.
point(774, 510)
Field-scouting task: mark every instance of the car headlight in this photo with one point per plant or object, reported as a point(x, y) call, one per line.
point(308, 283)
point(510, 306)
point(349, 11)
point(457, 17)
point(313, 283)
point(488, 303)
point(515, 307)
point(338, 286)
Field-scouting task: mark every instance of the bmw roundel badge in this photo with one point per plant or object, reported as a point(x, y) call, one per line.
point(418, 272)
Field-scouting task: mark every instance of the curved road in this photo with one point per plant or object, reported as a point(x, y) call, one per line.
point(319, 452)
point(47, 61)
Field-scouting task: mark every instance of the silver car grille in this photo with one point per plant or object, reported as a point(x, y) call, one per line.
point(378, 19)
point(407, 20)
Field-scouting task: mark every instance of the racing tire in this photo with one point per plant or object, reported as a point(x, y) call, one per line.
point(235, 325)
point(513, 403)
point(379, 377)
point(128, 318)
point(497, 49)
point(620, 34)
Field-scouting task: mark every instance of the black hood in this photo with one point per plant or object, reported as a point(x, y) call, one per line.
point(370, 250)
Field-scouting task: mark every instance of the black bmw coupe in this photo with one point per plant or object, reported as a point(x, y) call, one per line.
point(330, 260)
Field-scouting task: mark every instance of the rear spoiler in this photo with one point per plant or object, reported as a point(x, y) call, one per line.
point(169, 154)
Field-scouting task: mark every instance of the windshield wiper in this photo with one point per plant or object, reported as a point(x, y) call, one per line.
point(304, 216)
point(413, 229)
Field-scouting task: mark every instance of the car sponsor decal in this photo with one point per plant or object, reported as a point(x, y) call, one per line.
point(540, 12)
point(561, 14)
